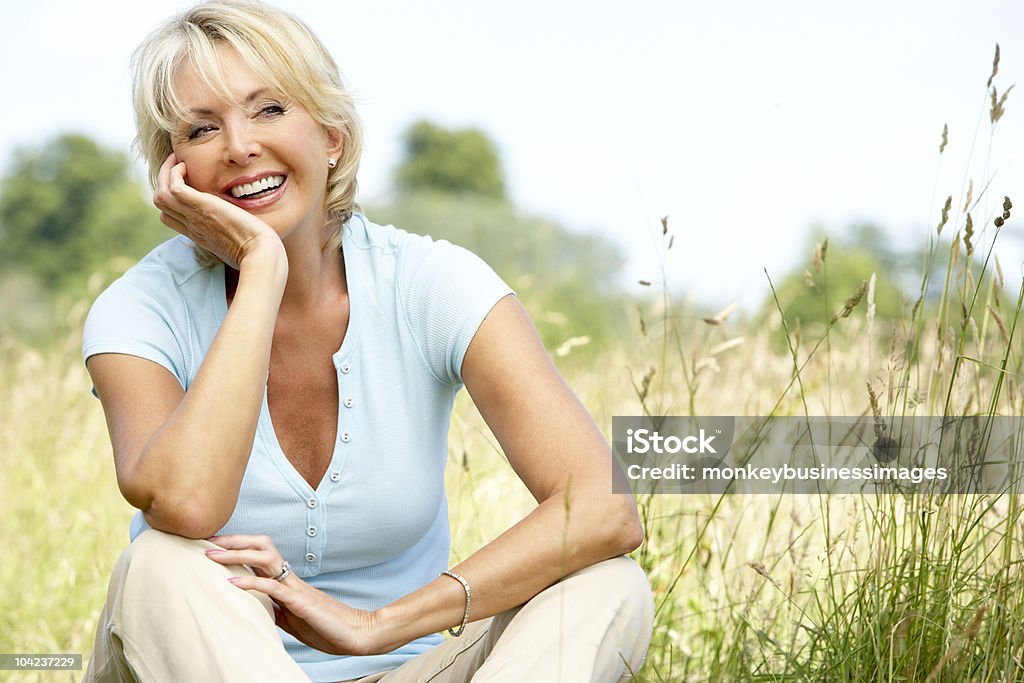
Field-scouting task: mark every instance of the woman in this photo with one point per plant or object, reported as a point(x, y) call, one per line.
point(282, 375)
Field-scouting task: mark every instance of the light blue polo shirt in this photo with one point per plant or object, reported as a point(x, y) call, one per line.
point(376, 527)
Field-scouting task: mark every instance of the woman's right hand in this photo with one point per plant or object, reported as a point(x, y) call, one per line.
point(229, 232)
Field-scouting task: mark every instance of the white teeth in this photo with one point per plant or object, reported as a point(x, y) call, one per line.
point(260, 185)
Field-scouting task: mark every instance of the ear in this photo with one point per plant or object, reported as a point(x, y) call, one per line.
point(335, 141)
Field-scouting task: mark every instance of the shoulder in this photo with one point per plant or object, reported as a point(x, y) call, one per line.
point(146, 312)
point(161, 273)
point(387, 240)
point(172, 263)
point(159, 291)
point(443, 291)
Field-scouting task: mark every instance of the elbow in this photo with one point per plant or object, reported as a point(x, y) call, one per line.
point(184, 516)
point(175, 510)
point(629, 530)
point(621, 529)
point(184, 520)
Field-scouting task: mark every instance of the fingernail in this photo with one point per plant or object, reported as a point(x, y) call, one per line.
point(234, 579)
point(210, 538)
point(214, 551)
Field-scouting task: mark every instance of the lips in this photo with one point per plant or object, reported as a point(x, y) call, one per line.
point(247, 190)
point(256, 191)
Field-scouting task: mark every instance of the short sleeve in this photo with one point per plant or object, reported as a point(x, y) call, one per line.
point(141, 314)
point(448, 292)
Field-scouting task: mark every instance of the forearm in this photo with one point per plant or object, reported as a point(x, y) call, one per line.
point(553, 541)
point(194, 464)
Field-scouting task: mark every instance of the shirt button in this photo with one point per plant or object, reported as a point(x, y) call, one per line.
point(335, 476)
point(348, 402)
point(310, 557)
point(311, 531)
point(311, 503)
point(345, 367)
point(346, 437)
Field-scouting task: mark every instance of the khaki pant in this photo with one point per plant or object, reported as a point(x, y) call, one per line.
point(171, 616)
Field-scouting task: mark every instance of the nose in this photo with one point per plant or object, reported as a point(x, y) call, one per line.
point(240, 144)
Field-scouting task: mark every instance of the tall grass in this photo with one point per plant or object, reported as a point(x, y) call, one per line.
point(844, 587)
point(747, 587)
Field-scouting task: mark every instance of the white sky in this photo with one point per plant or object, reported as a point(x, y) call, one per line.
point(744, 122)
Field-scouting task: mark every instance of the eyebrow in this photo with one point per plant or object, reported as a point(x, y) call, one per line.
point(202, 111)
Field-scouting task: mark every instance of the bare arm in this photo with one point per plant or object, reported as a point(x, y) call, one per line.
point(180, 456)
point(559, 453)
point(550, 440)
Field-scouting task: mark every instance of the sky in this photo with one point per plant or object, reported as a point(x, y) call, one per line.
point(746, 123)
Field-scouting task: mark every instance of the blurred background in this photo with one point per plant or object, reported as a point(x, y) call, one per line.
point(637, 175)
point(757, 128)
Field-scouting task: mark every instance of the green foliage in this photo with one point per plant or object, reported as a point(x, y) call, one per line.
point(814, 294)
point(450, 187)
point(567, 280)
point(453, 161)
point(70, 206)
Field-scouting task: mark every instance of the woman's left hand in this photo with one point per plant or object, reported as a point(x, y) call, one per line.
point(310, 615)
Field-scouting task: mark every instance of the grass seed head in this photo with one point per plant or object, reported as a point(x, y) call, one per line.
point(851, 303)
point(945, 138)
point(995, 67)
point(721, 316)
point(998, 108)
point(945, 214)
point(999, 322)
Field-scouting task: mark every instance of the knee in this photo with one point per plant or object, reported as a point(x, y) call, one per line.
point(153, 547)
point(158, 559)
point(618, 580)
point(621, 586)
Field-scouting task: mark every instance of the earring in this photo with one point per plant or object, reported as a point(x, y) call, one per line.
point(332, 162)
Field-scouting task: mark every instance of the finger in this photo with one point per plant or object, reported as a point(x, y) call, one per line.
point(241, 541)
point(275, 589)
point(178, 188)
point(173, 223)
point(165, 169)
point(165, 197)
point(267, 562)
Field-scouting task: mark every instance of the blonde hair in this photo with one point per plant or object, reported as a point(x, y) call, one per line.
point(274, 44)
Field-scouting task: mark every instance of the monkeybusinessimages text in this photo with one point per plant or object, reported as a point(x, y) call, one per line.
point(646, 441)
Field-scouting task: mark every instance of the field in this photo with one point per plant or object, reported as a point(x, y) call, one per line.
point(747, 587)
point(758, 587)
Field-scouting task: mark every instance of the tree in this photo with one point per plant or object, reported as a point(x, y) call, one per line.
point(70, 206)
point(450, 161)
point(815, 294)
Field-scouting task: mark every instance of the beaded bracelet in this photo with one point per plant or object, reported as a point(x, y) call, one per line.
point(469, 598)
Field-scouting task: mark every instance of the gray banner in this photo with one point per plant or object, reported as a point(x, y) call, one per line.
point(673, 454)
point(40, 662)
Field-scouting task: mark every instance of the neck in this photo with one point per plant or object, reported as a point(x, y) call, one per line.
point(316, 277)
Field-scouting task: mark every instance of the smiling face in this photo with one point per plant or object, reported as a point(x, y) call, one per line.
point(261, 151)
